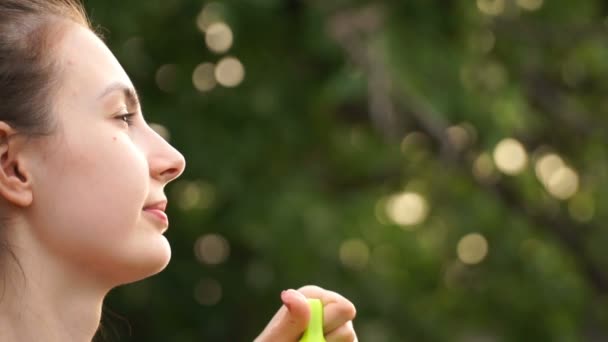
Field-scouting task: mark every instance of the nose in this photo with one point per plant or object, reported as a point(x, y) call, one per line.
point(166, 163)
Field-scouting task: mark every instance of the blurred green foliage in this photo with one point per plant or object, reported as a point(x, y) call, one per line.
point(294, 175)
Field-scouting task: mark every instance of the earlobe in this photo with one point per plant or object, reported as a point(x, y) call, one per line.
point(15, 182)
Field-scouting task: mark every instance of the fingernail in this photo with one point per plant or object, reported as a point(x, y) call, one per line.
point(284, 298)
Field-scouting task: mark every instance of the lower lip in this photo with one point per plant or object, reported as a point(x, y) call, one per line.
point(159, 215)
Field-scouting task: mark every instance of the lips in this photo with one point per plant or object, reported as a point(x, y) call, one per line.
point(159, 205)
point(156, 211)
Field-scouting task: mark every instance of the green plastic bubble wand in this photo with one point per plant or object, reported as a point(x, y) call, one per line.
point(314, 331)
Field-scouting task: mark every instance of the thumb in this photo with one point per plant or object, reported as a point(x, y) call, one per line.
point(290, 321)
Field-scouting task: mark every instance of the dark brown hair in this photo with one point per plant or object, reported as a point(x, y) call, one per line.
point(29, 73)
point(29, 30)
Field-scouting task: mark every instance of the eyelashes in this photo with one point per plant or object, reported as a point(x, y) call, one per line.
point(127, 118)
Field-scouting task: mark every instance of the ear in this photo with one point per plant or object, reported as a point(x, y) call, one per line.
point(15, 181)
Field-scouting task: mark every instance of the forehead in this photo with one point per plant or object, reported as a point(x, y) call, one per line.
point(86, 65)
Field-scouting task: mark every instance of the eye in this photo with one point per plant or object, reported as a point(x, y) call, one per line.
point(128, 118)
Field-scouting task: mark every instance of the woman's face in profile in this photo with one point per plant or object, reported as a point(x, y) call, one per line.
point(95, 178)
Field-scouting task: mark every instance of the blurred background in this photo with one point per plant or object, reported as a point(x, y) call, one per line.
point(442, 163)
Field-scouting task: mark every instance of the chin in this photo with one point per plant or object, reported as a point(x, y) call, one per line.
point(148, 263)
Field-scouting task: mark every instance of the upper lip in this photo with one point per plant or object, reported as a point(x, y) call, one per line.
point(158, 205)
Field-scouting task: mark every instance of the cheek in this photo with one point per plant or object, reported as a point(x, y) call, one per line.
point(91, 195)
point(106, 180)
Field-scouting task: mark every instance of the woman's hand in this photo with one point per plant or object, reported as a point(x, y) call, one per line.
point(289, 323)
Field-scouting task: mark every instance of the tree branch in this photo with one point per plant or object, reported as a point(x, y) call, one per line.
point(351, 30)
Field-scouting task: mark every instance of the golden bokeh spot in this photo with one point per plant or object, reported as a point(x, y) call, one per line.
point(189, 194)
point(407, 209)
point(482, 41)
point(453, 274)
point(135, 43)
point(259, 275)
point(573, 72)
point(134, 52)
point(528, 248)
point(546, 166)
point(208, 292)
point(471, 131)
point(211, 249)
point(563, 183)
point(459, 137)
point(483, 168)
point(492, 75)
point(356, 137)
point(382, 257)
point(413, 141)
point(374, 330)
point(161, 130)
point(211, 13)
point(530, 5)
point(203, 77)
point(206, 195)
point(229, 72)
point(582, 207)
point(193, 194)
point(467, 77)
point(166, 77)
point(491, 7)
point(510, 156)
point(354, 254)
point(472, 248)
point(219, 37)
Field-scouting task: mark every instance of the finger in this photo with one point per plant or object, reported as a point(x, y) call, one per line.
point(291, 319)
point(337, 314)
point(344, 333)
point(337, 309)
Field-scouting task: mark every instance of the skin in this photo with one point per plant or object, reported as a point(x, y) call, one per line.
point(292, 318)
point(78, 203)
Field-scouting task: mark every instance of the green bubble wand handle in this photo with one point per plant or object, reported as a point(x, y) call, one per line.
point(314, 331)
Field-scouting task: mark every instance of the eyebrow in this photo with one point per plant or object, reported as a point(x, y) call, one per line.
point(128, 92)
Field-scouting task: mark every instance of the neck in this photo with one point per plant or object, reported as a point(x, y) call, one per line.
point(35, 317)
point(42, 300)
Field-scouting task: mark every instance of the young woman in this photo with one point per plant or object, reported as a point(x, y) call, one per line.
point(82, 179)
